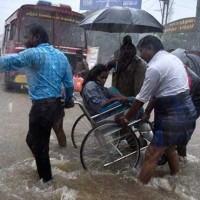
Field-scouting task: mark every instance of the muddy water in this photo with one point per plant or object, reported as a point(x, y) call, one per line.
point(19, 179)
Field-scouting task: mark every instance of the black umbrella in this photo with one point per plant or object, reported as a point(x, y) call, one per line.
point(121, 20)
point(192, 59)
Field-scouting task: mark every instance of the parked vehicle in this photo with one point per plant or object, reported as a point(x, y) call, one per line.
point(61, 24)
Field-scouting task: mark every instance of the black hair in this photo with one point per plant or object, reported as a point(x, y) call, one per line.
point(127, 47)
point(94, 72)
point(127, 40)
point(151, 40)
point(39, 30)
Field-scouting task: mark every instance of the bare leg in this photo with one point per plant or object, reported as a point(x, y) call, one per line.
point(173, 160)
point(152, 156)
point(60, 134)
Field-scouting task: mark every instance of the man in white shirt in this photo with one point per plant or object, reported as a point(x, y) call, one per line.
point(166, 83)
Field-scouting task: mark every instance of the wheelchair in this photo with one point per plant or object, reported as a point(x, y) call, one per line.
point(104, 145)
point(85, 122)
point(109, 147)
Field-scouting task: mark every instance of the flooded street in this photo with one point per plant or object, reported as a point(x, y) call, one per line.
point(19, 179)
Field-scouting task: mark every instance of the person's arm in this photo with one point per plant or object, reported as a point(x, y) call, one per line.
point(86, 67)
point(14, 62)
point(130, 115)
point(113, 99)
point(68, 83)
point(111, 64)
point(148, 110)
point(93, 97)
point(3, 65)
point(149, 87)
point(149, 107)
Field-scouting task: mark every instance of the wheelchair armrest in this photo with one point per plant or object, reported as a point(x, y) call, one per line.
point(83, 109)
point(94, 119)
point(132, 123)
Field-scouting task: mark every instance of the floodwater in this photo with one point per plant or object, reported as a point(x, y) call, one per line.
point(19, 179)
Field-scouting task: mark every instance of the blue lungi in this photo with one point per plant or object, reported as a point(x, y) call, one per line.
point(174, 121)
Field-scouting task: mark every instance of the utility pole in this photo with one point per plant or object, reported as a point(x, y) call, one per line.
point(198, 16)
point(164, 4)
point(196, 44)
point(108, 4)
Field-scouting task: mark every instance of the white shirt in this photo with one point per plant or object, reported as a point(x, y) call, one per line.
point(165, 76)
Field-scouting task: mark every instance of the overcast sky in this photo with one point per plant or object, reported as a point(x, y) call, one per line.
point(181, 8)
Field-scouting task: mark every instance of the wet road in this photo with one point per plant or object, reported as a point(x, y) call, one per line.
point(19, 179)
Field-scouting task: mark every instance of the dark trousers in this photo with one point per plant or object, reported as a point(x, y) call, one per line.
point(41, 118)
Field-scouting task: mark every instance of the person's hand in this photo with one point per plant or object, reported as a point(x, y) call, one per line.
point(121, 98)
point(124, 99)
point(69, 103)
point(120, 119)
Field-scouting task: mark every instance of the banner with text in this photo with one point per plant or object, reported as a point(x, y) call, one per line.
point(181, 25)
point(99, 4)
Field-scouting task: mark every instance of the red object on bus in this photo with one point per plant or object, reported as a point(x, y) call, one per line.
point(78, 81)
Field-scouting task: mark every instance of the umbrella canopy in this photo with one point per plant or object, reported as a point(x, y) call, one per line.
point(121, 20)
point(190, 58)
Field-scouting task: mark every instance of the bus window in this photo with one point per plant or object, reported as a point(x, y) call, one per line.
point(28, 21)
point(12, 30)
point(5, 39)
point(6, 35)
point(70, 35)
point(72, 60)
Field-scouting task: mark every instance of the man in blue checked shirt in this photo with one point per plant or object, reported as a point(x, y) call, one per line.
point(47, 69)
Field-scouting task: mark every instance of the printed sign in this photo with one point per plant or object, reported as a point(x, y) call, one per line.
point(51, 15)
point(92, 56)
point(99, 4)
point(182, 25)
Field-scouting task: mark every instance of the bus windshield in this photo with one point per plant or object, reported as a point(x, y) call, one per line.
point(70, 35)
point(61, 33)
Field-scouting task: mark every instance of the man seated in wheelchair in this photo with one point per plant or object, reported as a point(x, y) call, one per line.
point(97, 98)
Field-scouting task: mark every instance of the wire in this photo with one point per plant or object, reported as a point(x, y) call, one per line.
point(149, 7)
point(153, 4)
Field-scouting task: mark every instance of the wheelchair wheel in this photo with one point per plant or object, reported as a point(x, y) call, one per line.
point(80, 128)
point(109, 147)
